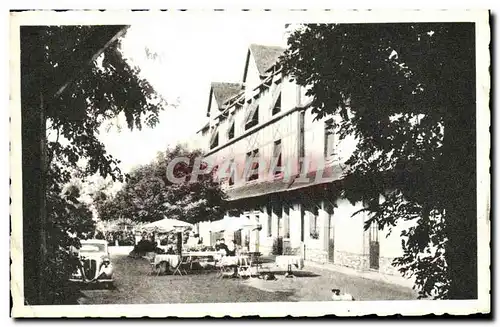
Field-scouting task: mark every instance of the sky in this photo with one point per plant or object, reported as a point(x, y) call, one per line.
point(188, 57)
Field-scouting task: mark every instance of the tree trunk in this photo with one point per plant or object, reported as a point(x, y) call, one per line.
point(31, 128)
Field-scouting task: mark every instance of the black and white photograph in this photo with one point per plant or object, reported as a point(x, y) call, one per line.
point(257, 162)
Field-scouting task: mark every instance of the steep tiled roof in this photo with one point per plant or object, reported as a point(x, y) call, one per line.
point(265, 56)
point(224, 91)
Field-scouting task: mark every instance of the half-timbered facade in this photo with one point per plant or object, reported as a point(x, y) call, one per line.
point(267, 121)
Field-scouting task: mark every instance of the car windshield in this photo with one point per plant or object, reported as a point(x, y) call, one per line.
point(93, 247)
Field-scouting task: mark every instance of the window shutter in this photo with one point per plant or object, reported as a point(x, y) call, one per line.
point(230, 119)
point(214, 134)
point(255, 159)
point(252, 107)
point(277, 149)
point(276, 95)
point(230, 128)
point(277, 158)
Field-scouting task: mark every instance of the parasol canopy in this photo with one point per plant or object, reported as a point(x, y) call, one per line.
point(166, 225)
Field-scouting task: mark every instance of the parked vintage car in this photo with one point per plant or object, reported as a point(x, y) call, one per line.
point(95, 264)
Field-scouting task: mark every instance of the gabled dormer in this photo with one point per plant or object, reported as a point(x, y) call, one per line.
point(219, 94)
point(259, 61)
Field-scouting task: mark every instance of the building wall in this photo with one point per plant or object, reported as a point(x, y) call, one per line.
point(349, 235)
point(263, 139)
point(350, 241)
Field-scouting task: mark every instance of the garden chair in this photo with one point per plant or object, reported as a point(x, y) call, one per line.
point(150, 256)
point(184, 263)
point(194, 260)
point(244, 266)
point(224, 271)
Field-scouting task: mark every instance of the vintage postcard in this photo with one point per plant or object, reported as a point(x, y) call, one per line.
point(191, 163)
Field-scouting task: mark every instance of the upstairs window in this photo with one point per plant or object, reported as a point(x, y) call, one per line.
point(253, 165)
point(329, 138)
point(230, 131)
point(252, 114)
point(277, 106)
point(231, 173)
point(277, 157)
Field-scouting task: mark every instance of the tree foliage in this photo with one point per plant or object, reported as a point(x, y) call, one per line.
point(397, 88)
point(69, 220)
point(78, 93)
point(149, 195)
point(101, 91)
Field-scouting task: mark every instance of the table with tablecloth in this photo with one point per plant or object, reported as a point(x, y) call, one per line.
point(171, 259)
point(202, 254)
point(234, 260)
point(290, 261)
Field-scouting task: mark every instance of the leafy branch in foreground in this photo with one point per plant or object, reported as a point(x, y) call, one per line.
point(78, 95)
point(406, 93)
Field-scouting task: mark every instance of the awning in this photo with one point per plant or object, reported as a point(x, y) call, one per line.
point(333, 173)
point(233, 224)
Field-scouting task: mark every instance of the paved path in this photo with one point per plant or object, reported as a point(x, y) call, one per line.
point(133, 285)
point(315, 284)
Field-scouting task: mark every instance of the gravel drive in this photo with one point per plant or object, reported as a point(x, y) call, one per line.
point(133, 285)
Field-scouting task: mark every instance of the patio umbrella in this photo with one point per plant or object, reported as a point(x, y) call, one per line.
point(166, 225)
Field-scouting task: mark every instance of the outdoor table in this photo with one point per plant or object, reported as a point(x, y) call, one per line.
point(171, 259)
point(234, 261)
point(202, 254)
point(289, 261)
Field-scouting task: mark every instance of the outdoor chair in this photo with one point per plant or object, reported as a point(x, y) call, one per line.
point(193, 261)
point(224, 271)
point(150, 256)
point(244, 267)
point(184, 263)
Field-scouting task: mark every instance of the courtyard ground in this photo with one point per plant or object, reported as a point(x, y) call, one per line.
point(133, 285)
